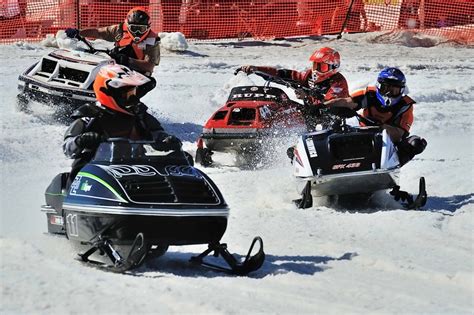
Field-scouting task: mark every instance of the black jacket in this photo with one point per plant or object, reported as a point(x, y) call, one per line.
point(109, 124)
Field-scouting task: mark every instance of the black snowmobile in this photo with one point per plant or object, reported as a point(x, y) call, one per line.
point(133, 200)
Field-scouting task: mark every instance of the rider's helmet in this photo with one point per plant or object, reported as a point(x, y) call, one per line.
point(391, 86)
point(326, 62)
point(138, 23)
point(115, 87)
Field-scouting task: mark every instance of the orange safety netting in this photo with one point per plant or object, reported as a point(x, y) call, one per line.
point(259, 19)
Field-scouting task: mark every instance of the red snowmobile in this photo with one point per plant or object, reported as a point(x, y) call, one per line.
point(251, 116)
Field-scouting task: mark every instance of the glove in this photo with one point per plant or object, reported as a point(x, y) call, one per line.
point(72, 32)
point(121, 59)
point(88, 140)
point(169, 143)
point(172, 143)
point(248, 69)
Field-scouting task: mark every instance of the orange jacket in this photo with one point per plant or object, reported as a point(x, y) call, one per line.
point(333, 87)
point(399, 115)
point(125, 39)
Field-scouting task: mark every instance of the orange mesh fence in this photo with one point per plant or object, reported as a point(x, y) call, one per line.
point(259, 19)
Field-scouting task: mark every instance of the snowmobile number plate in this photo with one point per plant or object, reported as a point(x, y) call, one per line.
point(311, 147)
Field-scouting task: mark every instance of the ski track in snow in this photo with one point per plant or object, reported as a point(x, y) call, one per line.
point(326, 259)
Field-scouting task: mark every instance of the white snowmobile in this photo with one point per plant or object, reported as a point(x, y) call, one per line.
point(345, 160)
point(62, 77)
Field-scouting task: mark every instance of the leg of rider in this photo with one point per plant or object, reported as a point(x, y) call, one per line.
point(409, 147)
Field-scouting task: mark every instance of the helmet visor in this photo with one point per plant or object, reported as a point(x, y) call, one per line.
point(389, 89)
point(138, 29)
point(321, 67)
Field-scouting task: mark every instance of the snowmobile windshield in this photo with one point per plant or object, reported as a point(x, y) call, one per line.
point(257, 93)
point(121, 150)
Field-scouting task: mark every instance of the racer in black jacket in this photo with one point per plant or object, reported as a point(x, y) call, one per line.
point(117, 113)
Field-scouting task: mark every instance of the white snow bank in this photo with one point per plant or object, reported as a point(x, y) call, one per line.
point(60, 40)
point(173, 41)
point(169, 41)
point(407, 38)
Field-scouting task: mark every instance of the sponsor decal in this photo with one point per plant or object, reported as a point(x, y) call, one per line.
point(75, 184)
point(252, 95)
point(345, 166)
point(311, 147)
point(86, 186)
point(77, 192)
point(265, 112)
point(56, 220)
point(298, 158)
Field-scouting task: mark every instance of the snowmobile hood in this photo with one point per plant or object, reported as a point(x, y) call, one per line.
point(79, 56)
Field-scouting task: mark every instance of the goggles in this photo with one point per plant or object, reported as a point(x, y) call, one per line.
point(138, 28)
point(321, 67)
point(389, 89)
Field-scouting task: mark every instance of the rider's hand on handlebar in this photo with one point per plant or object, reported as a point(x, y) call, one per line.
point(72, 32)
point(170, 143)
point(89, 140)
point(248, 69)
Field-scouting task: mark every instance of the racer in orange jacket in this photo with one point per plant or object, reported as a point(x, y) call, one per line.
point(136, 45)
point(388, 104)
point(323, 77)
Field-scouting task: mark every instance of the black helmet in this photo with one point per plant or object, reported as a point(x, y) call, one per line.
point(138, 15)
point(138, 23)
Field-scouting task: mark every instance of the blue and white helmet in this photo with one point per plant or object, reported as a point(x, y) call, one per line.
point(391, 86)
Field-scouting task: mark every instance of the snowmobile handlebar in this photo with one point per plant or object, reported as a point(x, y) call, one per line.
point(92, 49)
point(344, 112)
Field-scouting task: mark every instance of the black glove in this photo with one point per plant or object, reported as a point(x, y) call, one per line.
point(121, 59)
point(88, 140)
point(168, 143)
point(72, 32)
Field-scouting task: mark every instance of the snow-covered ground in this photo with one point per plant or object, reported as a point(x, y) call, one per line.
point(321, 260)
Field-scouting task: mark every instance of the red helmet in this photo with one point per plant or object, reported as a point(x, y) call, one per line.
point(114, 84)
point(138, 23)
point(326, 62)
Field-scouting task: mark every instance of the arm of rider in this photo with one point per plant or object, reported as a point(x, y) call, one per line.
point(76, 139)
point(107, 33)
point(143, 66)
point(395, 133)
point(341, 102)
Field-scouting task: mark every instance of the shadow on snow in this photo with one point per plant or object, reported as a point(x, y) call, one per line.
point(177, 263)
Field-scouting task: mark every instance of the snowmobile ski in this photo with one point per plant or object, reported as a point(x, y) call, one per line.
point(251, 263)
point(407, 199)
